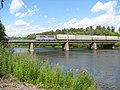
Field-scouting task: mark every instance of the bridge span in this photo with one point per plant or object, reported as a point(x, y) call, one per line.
point(65, 45)
point(58, 41)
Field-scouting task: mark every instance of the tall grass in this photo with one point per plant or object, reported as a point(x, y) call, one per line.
point(42, 73)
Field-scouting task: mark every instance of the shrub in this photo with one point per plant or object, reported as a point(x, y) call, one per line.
point(42, 73)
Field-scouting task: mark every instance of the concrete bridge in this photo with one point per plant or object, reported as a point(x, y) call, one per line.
point(65, 45)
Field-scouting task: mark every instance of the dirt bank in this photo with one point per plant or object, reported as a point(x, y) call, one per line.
point(12, 84)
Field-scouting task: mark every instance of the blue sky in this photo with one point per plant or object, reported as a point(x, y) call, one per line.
point(24, 17)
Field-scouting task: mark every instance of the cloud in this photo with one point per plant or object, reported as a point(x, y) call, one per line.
point(12, 30)
point(108, 7)
point(109, 18)
point(16, 5)
point(29, 12)
point(119, 12)
point(18, 14)
point(103, 20)
point(21, 23)
point(51, 20)
point(71, 23)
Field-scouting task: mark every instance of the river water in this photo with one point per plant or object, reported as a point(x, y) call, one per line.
point(103, 64)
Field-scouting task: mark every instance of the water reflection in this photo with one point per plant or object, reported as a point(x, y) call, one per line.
point(103, 64)
point(32, 54)
point(66, 55)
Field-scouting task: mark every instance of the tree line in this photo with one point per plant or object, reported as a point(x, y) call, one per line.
point(98, 30)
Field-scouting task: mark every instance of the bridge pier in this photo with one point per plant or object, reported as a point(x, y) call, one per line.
point(65, 46)
point(31, 47)
point(113, 45)
point(93, 46)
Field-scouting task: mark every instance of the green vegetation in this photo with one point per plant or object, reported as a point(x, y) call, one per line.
point(3, 36)
point(99, 30)
point(42, 73)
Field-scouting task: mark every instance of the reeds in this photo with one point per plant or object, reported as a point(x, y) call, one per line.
point(42, 73)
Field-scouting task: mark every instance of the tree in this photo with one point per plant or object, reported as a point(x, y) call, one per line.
point(87, 28)
point(31, 37)
point(119, 30)
point(108, 28)
point(1, 6)
point(112, 29)
point(91, 27)
point(99, 27)
point(3, 36)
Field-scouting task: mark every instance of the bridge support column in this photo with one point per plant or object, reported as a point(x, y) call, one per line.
point(31, 47)
point(113, 45)
point(93, 46)
point(65, 46)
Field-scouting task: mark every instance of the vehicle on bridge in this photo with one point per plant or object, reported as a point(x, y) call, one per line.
point(65, 37)
point(45, 37)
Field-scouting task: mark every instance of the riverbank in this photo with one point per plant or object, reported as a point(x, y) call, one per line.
point(11, 83)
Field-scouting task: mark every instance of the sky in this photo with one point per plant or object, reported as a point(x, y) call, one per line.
point(24, 17)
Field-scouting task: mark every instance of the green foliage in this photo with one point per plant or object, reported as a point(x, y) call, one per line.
point(6, 63)
point(31, 37)
point(43, 74)
point(3, 36)
point(99, 30)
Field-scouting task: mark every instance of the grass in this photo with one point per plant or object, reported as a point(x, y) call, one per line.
point(42, 73)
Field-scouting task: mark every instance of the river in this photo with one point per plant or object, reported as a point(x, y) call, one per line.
point(103, 64)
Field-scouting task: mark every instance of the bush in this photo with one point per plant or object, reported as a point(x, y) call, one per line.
point(42, 73)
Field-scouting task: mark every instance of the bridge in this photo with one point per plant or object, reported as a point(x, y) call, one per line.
point(65, 45)
point(57, 41)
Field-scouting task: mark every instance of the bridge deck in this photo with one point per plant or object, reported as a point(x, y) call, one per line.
point(80, 41)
